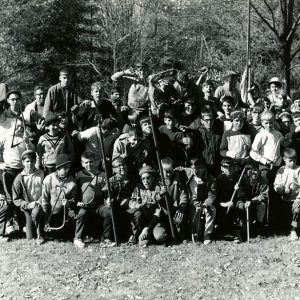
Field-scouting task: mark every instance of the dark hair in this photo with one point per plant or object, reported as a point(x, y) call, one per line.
point(208, 82)
point(113, 91)
point(169, 113)
point(295, 114)
point(88, 155)
point(289, 152)
point(228, 99)
point(206, 111)
point(65, 70)
point(258, 106)
point(38, 87)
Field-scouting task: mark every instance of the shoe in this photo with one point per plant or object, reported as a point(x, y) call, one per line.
point(207, 240)
point(107, 243)
point(293, 235)
point(132, 240)
point(238, 238)
point(78, 243)
point(40, 241)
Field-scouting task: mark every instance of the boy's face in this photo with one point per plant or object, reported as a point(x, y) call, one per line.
point(120, 169)
point(64, 170)
point(267, 124)
point(297, 104)
point(39, 97)
point(290, 162)
point(267, 104)
point(28, 164)
point(199, 170)
point(208, 90)
point(189, 107)
point(274, 88)
point(133, 140)
point(146, 128)
point(14, 102)
point(228, 170)
point(97, 94)
point(147, 180)
point(63, 122)
point(115, 97)
point(53, 128)
point(227, 107)
point(255, 114)
point(64, 79)
point(207, 121)
point(170, 123)
point(168, 171)
point(296, 121)
point(287, 122)
point(253, 175)
point(88, 164)
point(237, 123)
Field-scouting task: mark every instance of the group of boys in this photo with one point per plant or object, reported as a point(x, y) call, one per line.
point(73, 169)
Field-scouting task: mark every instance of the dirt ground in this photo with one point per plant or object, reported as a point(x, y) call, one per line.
point(268, 269)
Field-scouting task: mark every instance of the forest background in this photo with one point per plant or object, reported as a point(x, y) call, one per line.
point(97, 38)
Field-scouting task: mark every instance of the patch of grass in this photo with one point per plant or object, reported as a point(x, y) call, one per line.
point(268, 269)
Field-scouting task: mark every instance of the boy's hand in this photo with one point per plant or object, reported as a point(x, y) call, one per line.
point(74, 108)
point(64, 202)
point(26, 137)
point(80, 204)
point(109, 202)
point(178, 217)
point(40, 124)
point(32, 205)
point(144, 234)
point(236, 187)
point(287, 191)
point(163, 190)
point(227, 204)
point(247, 204)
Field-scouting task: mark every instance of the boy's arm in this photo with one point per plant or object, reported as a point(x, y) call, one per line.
point(135, 199)
point(278, 183)
point(224, 147)
point(46, 195)
point(40, 152)
point(255, 149)
point(17, 192)
point(211, 197)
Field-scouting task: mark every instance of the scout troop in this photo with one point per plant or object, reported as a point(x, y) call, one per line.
point(220, 158)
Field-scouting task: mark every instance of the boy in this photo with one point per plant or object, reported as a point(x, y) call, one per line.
point(228, 211)
point(145, 204)
point(287, 184)
point(92, 138)
point(52, 143)
point(236, 142)
point(225, 114)
point(87, 115)
point(90, 196)
point(210, 135)
point(254, 192)
point(58, 196)
point(177, 196)
point(295, 136)
point(27, 193)
point(61, 97)
point(265, 150)
point(202, 197)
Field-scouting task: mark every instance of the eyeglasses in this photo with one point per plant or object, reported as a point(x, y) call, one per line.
point(14, 99)
point(207, 120)
point(119, 166)
point(40, 94)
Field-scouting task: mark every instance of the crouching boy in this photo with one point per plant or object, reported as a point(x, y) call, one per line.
point(27, 193)
point(287, 184)
point(254, 192)
point(58, 199)
point(146, 209)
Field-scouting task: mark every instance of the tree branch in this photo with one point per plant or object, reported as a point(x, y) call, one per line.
point(265, 20)
point(293, 29)
point(295, 53)
point(271, 11)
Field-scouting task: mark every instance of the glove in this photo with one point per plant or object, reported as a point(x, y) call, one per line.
point(178, 217)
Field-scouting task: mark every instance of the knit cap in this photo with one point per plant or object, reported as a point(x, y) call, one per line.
point(51, 118)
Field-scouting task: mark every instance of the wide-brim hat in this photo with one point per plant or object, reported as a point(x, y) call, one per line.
point(62, 159)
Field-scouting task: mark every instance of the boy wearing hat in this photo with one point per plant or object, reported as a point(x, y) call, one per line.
point(236, 142)
point(145, 205)
point(52, 143)
point(58, 196)
point(27, 193)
